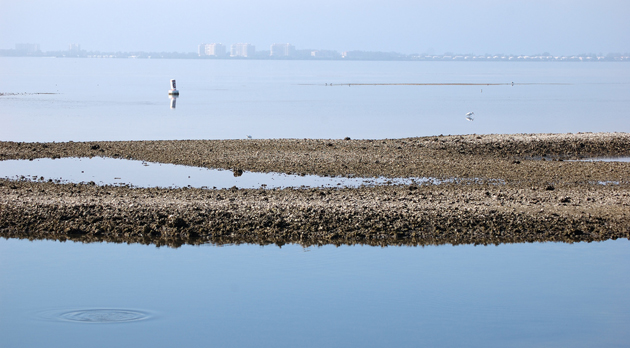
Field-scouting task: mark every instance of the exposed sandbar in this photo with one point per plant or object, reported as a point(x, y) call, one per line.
point(536, 200)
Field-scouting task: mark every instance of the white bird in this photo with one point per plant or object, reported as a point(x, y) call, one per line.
point(249, 137)
point(469, 116)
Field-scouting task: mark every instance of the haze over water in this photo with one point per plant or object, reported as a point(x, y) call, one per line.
point(126, 99)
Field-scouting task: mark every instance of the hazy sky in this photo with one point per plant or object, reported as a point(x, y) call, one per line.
point(485, 26)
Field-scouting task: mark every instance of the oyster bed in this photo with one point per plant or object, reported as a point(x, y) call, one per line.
point(537, 200)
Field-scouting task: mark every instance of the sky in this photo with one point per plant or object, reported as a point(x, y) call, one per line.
point(560, 27)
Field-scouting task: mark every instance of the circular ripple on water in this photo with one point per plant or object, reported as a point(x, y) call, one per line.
point(103, 315)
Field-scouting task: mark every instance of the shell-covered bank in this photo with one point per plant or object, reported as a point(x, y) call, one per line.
point(496, 189)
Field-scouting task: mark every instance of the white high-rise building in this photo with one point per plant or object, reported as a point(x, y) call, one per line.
point(74, 48)
point(242, 50)
point(213, 49)
point(282, 50)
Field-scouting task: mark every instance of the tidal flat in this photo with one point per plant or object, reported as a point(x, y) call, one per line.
point(495, 189)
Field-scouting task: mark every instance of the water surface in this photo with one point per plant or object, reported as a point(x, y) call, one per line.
point(126, 99)
point(109, 171)
point(550, 294)
point(56, 294)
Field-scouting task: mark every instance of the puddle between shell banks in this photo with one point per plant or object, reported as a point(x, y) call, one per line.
point(606, 159)
point(110, 171)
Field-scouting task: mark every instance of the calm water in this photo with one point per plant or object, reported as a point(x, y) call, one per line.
point(126, 99)
point(109, 171)
point(523, 295)
point(103, 295)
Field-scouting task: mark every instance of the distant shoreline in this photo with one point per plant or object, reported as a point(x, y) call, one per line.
point(395, 58)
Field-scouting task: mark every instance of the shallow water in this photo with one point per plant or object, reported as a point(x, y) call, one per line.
point(109, 171)
point(551, 294)
point(126, 99)
point(70, 294)
point(607, 159)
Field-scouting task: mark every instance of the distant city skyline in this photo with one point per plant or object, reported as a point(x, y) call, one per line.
point(289, 51)
point(561, 27)
point(219, 49)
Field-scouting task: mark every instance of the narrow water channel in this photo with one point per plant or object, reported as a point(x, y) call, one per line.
point(110, 171)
